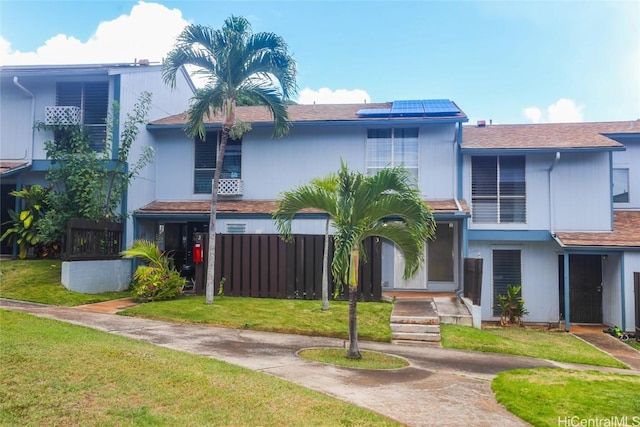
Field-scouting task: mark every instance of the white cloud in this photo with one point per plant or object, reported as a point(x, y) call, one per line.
point(147, 32)
point(533, 113)
point(563, 111)
point(328, 96)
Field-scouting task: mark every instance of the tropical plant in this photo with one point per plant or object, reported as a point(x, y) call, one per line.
point(511, 305)
point(237, 64)
point(157, 279)
point(87, 183)
point(24, 230)
point(386, 205)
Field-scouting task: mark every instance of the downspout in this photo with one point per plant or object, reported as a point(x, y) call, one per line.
point(17, 206)
point(551, 212)
point(623, 301)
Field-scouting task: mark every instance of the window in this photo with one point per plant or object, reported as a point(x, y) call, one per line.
point(621, 186)
point(498, 190)
point(506, 271)
point(205, 161)
point(392, 147)
point(93, 100)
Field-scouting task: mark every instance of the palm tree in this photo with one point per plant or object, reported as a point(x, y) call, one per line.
point(386, 205)
point(237, 64)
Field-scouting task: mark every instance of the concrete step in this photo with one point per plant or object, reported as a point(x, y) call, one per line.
point(415, 320)
point(452, 311)
point(415, 328)
point(456, 320)
point(427, 337)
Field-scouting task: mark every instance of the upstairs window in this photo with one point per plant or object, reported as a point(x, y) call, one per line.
point(392, 147)
point(206, 153)
point(621, 186)
point(498, 190)
point(93, 100)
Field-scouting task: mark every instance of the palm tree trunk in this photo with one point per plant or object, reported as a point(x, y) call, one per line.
point(325, 269)
point(211, 261)
point(354, 351)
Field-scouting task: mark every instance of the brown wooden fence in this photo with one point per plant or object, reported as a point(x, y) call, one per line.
point(473, 279)
point(263, 265)
point(90, 240)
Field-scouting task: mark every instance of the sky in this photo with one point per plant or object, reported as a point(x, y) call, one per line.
point(501, 61)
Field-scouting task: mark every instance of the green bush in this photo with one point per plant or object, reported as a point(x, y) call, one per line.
point(511, 306)
point(157, 279)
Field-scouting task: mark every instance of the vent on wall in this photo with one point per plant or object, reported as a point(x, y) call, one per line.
point(236, 228)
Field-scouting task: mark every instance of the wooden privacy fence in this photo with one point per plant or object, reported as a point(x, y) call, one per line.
point(473, 279)
point(93, 240)
point(263, 265)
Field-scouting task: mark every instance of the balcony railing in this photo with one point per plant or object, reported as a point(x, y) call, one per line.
point(230, 187)
point(62, 115)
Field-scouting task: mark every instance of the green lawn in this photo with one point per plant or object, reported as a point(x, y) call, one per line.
point(303, 317)
point(558, 346)
point(39, 281)
point(55, 373)
point(553, 397)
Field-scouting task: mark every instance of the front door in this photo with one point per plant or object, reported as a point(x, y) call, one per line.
point(585, 288)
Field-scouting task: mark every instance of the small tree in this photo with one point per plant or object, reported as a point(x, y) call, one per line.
point(511, 305)
point(24, 230)
point(86, 183)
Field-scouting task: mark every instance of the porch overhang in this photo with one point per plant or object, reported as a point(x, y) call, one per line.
point(625, 235)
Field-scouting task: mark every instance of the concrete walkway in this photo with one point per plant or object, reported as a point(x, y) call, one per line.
point(440, 387)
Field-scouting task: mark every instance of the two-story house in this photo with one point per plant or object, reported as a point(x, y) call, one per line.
point(82, 94)
point(546, 206)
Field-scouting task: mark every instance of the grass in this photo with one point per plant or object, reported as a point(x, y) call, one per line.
point(552, 397)
point(369, 360)
point(39, 281)
point(303, 317)
point(54, 373)
point(556, 346)
point(633, 343)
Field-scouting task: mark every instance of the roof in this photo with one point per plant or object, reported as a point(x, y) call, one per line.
point(626, 233)
point(23, 70)
point(555, 136)
point(8, 167)
point(261, 207)
point(308, 113)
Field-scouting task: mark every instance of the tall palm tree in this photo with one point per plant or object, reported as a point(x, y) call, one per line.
point(236, 64)
point(386, 205)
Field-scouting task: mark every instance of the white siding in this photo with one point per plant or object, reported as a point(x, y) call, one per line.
point(631, 265)
point(540, 287)
point(582, 192)
point(437, 161)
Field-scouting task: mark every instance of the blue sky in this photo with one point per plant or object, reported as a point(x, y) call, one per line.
point(506, 61)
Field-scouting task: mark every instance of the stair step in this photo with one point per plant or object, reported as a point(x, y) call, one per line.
point(414, 328)
point(417, 320)
point(429, 337)
point(456, 320)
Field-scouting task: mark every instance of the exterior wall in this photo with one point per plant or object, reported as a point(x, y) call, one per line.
point(94, 277)
point(631, 265)
point(611, 290)
point(268, 226)
point(630, 159)
point(582, 192)
point(437, 161)
point(539, 269)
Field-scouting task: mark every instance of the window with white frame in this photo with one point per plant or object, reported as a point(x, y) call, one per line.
point(498, 189)
point(506, 271)
point(206, 153)
point(390, 147)
point(93, 100)
point(621, 186)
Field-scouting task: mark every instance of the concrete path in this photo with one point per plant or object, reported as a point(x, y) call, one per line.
point(440, 387)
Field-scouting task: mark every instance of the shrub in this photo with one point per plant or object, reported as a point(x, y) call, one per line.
point(511, 306)
point(157, 279)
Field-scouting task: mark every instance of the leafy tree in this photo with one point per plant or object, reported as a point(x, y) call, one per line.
point(386, 205)
point(24, 230)
point(89, 184)
point(238, 65)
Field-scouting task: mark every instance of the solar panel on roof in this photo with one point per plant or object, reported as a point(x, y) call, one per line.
point(407, 107)
point(439, 106)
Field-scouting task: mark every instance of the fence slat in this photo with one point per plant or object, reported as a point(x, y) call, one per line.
point(93, 240)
